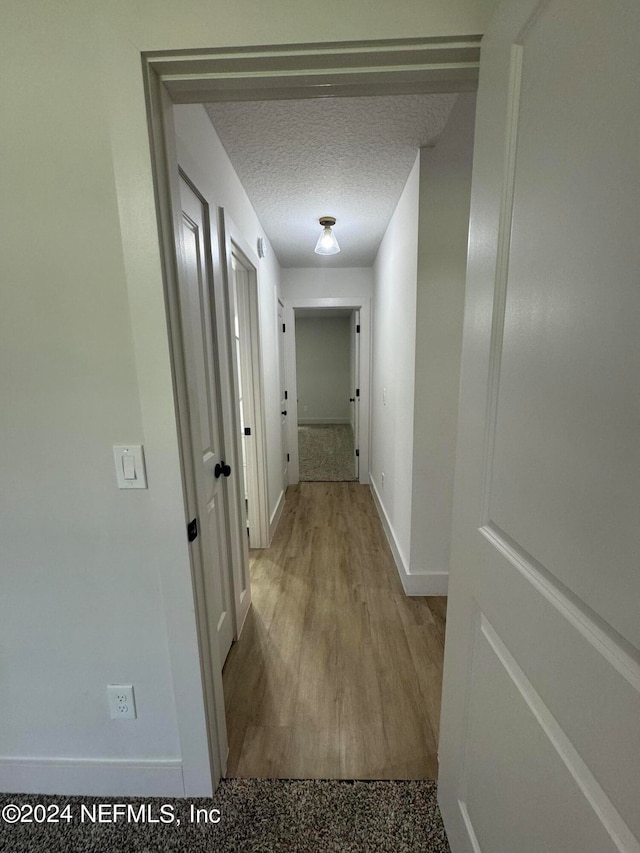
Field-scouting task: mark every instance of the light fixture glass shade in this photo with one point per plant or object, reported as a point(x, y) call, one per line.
point(327, 243)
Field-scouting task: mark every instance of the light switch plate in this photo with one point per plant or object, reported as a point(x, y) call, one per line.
point(124, 455)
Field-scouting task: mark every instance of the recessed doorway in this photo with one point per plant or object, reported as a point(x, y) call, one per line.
point(328, 393)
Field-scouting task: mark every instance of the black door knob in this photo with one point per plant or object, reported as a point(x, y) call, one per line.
point(352, 399)
point(284, 413)
point(222, 469)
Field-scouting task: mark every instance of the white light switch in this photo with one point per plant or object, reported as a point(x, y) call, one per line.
point(129, 466)
point(130, 470)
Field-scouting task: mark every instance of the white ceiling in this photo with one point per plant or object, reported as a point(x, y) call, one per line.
point(299, 160)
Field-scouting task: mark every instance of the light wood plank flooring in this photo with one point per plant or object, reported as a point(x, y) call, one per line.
point(337, 673)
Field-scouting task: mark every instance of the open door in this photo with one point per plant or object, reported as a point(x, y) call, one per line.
point(248, 376)
point(355, 388)
point(540, 719)
point(284, 395)
point(208, 530)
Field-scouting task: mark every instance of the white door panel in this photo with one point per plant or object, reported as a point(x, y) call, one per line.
point(195, 293)
point(355, 390)
point(284, 397)
point(541, 708)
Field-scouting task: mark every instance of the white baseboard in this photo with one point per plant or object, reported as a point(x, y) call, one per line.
point(275, 518)
point(311, 421)
point(428, 583)
point(92, 777)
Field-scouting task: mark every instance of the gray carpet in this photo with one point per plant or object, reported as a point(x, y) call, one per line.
point(261, 815)
point(325, 452)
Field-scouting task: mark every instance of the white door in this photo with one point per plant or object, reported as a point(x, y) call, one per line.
point(354, 399)
point(540, 741)
point(248, 416)
point(284, 401)
point(197, 324)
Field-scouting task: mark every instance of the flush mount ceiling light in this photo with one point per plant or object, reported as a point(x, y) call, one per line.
point(327, 243)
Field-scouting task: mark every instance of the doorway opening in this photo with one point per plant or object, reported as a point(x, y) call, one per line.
point(328, 393)
point(327, 351)
point(373, 68)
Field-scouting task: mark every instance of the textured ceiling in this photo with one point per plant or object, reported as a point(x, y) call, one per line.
point(342, 157)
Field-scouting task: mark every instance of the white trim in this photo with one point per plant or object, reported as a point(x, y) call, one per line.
point(425, 583)
point(195, 666)
point(375, 67)
point(236, 244)
point(92, 777)
point(311, 421)
point(338, 69)
point(277, 513)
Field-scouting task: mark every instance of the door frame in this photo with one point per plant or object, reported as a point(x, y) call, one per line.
point(363, 304)
point(343, 69)
point(235, 244)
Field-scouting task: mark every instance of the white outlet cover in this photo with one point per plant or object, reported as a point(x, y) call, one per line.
point(122, 701)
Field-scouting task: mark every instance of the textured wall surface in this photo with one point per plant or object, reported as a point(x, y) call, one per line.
point(343, 157)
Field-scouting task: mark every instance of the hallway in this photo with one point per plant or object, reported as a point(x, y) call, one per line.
point(337, 673)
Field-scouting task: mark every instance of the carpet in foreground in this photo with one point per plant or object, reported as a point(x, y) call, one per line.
point(265, 815)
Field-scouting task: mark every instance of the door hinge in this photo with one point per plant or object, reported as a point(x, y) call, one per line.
point(284, 327)
point(358, 452)
point(358, 329)
point(357, 392)
point(288, 458)
point(192, 530)
point(247, 430)
point(286, 395)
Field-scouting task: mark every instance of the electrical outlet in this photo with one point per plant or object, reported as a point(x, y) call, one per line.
point(122, 703)
point(382, 480)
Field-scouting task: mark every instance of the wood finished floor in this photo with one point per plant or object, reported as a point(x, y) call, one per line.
point(337, 674)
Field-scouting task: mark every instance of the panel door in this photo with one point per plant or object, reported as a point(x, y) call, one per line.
point(284, 401)
point(355, 388)
point(541, 712)
point(248, 423)
point(195, 292)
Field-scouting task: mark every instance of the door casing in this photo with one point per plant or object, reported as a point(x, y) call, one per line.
point(344, 69)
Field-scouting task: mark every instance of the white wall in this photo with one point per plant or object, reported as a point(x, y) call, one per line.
point(96, 583)
point(394, 336)
point(323, 369)
point(312, 283)
point(418, 312)
point(445, 187)
point(198, 143)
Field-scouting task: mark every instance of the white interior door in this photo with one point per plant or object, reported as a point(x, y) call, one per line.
point(355, 388)
point(540, 738)
point(249, 426)
point(284, 401)
point(196, 319)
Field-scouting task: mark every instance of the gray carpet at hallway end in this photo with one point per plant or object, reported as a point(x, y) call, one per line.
point(257, 815)
point(326, 453)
